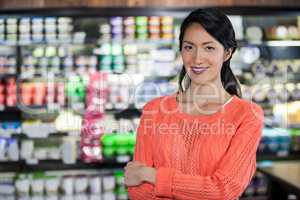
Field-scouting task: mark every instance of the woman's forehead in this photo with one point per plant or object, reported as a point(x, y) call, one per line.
point(196, 34)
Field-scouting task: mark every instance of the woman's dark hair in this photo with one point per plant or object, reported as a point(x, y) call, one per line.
point(219, 26)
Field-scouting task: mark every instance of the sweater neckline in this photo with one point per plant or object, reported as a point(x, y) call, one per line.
point(226, 106)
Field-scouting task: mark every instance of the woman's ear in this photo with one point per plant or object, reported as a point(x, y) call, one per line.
point(227, 54)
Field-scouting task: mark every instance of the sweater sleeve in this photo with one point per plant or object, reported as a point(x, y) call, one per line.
point(143, 153)
point(232, 175)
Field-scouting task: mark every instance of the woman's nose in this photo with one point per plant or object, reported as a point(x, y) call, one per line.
point(198, 57)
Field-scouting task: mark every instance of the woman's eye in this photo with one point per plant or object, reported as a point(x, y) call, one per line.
point(209, 48)
point(188, 48)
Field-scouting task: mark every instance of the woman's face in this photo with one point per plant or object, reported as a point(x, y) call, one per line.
point(202, 55)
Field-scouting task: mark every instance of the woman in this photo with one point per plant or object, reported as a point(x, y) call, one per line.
point(201, 142)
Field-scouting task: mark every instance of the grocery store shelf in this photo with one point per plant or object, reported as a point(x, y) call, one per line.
point(9, 114)
point(277, 158)
point(64, 78)
point(44, 43)
point(270, 43)
point(5, 75)
point(269, 104)
point(44, 110)
point(296, 126)
point(49, 165)
point(91, 43)
point(285, 77)
point(26, 136)
point(280, 43)
point(148, 11)
point(41, 78)
point(4, 109)
point(147, 42)
point(43, 113)
point(254, 198)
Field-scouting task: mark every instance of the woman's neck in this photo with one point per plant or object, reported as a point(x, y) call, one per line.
point(212, 92)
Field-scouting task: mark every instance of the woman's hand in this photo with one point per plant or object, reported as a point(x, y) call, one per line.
point(136, 173)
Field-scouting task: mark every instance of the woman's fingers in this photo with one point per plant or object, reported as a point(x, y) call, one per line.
point(133, 164)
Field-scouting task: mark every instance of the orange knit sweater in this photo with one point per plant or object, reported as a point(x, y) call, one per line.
point(197, 157)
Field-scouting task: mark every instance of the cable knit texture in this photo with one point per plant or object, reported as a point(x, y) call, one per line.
point(197, 157)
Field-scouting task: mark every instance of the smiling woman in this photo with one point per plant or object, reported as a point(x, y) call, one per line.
point(200, 143)
point(208, 40)
point(202, 55)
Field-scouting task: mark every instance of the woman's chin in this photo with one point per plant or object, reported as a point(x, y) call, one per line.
point(202, 81)
point(199, 81)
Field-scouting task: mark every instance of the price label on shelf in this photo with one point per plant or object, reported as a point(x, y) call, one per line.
point(32, 161)
point(282, 153)
point(53, 106)
point(123, 159)
point(78, 106)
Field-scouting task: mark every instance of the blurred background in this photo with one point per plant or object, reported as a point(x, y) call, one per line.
point(62, 62)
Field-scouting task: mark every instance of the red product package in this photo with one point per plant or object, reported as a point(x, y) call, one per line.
point(92, 128)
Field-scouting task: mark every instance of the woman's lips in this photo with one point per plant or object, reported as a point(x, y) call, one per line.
point(198, 70)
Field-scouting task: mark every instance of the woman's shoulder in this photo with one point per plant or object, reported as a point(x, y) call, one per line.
point(160, 102)
point(249, 110)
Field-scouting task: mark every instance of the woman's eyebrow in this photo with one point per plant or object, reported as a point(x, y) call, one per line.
point(204, 43)
point(189, 42)
point(208, 42)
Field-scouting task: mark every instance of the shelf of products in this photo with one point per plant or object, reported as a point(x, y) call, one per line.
point(78, 184)
point(52, 165)
point(86, 183)
point(55, 69)
point(25, 142)
point(89, 184)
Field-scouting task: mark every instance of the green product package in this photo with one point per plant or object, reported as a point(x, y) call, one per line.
point(119, 176)
point(108, 140)
point(121, 140)
point(295, 132)
point(108, 152)
point(141, 21)
point(121, 150)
